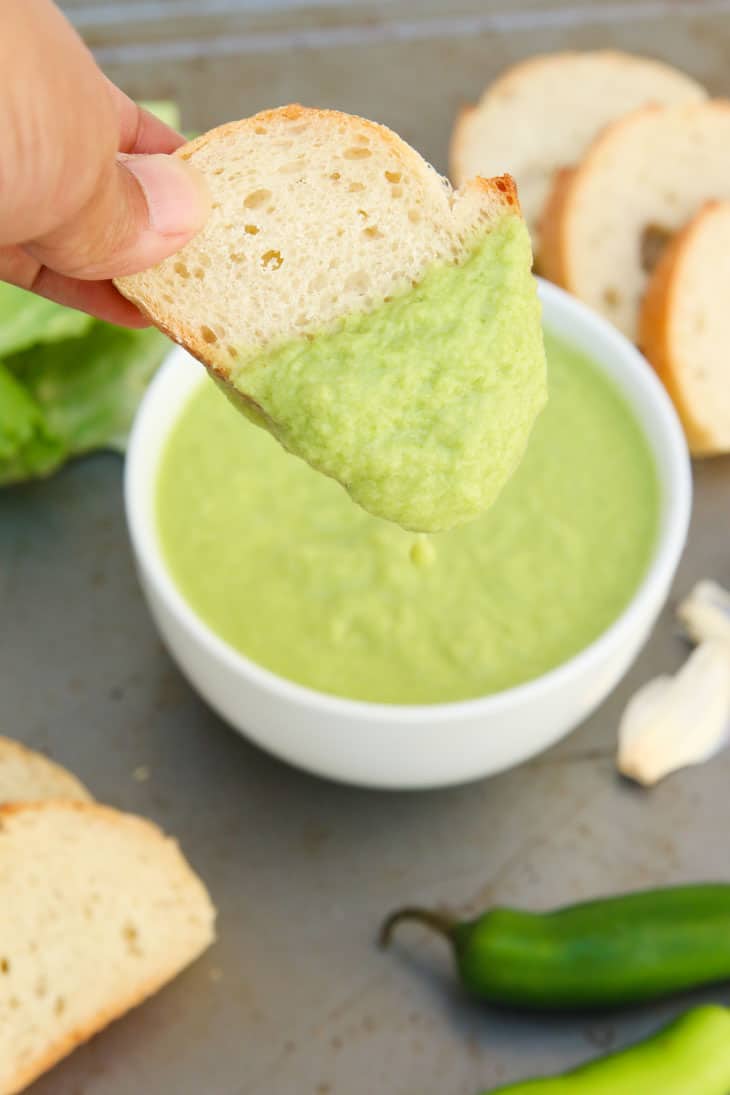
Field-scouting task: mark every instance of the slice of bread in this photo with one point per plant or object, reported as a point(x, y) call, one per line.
point(98, 910)
point(316, 215)
point(640, 182)
point(684, 327)
point(27, 776)
point(542, 114)
point(319, 217)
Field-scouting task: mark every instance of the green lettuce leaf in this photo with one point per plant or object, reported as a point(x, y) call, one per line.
point(66, 398)
point(27, 448)
point(26, 320)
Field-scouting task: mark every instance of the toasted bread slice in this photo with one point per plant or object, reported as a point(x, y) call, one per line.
point(321, 221)
point(97, 911)
point(27, 776)
point(684, 327)
point(542, 114)
point(640, 182)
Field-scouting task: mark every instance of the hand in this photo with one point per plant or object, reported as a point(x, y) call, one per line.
point(87, 190)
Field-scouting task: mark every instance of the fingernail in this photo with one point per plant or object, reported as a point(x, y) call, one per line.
point(176, 194)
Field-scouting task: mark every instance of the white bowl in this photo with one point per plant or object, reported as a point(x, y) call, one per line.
point(389, 746)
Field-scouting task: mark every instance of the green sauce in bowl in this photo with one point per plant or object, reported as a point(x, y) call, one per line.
point(277, 560)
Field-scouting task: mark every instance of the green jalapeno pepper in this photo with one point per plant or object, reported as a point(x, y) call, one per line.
point(604, 953)
point(691, 1056)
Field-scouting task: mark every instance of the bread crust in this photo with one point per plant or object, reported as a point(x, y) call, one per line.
point(556, 225)
point(66, 784)
point(656, 334)
point(564, 222)
point(148, 986)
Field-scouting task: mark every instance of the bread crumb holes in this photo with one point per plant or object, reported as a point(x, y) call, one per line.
point(257, 198)
point(272, 260)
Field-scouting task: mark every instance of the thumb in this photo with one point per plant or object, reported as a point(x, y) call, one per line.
point(144, 208)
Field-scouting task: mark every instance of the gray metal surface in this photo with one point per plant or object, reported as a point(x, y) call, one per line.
point(295, 998)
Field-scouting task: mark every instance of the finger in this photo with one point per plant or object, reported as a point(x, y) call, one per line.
point(17, 267)
point(143, 209)
point(140, 131)
point(98, 298)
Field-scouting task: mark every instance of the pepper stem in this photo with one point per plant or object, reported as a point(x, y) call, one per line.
point(441, 922)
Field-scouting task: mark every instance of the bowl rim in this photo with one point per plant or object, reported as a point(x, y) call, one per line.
point(676, 509)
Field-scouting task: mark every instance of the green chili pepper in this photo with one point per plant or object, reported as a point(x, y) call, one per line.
point(605, 953)
point(691, 1056)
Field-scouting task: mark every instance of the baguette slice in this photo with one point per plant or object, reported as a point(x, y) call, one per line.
point(641, 181)
point(684, 327)
point(542, 114)
point(98, 910)
point(326, 237)
point(27, 776)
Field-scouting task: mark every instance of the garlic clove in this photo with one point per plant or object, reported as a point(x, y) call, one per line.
point(673, 722)
point(705, 613)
